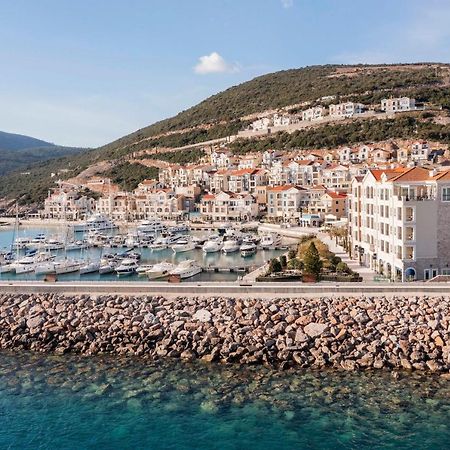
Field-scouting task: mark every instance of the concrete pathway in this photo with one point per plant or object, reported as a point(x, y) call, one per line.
point(366, 273)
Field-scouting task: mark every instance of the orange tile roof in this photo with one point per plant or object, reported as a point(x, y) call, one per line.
point(443, 176)
point(284, 187)
point(413, 174)
point(333, 194)
point(389, 172)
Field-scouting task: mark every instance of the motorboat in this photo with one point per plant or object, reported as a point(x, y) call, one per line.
point(53, 245)
point(21, 243)
point(143, 269)
point(28, 264)
point(39, 239)
point(97, 222)
point(127, 267)
point(151, 226)
point(270, 240)
point(76, 245)
point(187, 269)
point(231, 246)
point(213, 244)
point(250, 239)
point(107, 266)
point(165, 242)
point(199, 241)
point(160, 270)
point(183, 245)
point(248, 249)
point(180, 228)
point(90, 267)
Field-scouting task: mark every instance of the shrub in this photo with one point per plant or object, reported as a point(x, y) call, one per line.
point(342, 268)
point(295, 264)
point(283, 261)
point(292, 254)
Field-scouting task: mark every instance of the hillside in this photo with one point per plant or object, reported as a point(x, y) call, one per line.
point(11, 141)
point(18, 151)
point(227, 112)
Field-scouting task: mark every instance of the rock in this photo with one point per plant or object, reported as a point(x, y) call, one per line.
point(203, 315)
point(315, 329)
point(35, 322)
point(300, 336)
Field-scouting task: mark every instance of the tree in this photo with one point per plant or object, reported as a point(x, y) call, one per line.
point(312, 261)
point(283, 261)
point(275, 266)
point(292, 253)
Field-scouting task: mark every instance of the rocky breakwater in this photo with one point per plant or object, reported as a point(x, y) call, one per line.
point(345, 333)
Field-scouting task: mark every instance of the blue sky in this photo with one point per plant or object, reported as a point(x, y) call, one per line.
point(86, 72)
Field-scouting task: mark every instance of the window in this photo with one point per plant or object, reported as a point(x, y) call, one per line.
point(446, 194)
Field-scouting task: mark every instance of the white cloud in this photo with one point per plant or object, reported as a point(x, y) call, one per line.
point(214, 63)
point(287, 3)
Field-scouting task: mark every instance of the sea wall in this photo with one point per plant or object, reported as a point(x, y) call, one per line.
point(346, 333)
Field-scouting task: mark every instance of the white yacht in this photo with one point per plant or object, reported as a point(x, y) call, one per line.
point(127, 267)
point(97, 222)
point(164, 242)
point(76, 245)
point(53, 245)
point(107, 266)
point(270, 240)
point(143, 269)
point(248, 249)
point(90, 267)
point(187, 269)
point(231, 246)
point(151, 226)
point(29, 263)
point(213, 244)
point(183, 245)
point(160, 270)
point(21, 243)
point(180, 228)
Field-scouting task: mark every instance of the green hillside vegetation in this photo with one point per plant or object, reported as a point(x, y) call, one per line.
point(11, 160)
point(358, 131)
point(129, 175)
point(428, 82)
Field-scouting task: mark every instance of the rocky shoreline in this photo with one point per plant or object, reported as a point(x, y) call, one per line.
point(355, 333)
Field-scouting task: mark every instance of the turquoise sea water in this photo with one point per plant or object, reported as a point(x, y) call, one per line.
point(68, 402)
point(148, 256)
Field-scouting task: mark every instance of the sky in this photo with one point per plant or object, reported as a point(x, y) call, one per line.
point(85, 72)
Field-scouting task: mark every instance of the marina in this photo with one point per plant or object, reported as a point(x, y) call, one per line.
point(113, 254)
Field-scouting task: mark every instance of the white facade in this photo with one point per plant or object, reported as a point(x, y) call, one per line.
point(315, 113)
point(399, 222)
point(393, 105)
point(348, 109)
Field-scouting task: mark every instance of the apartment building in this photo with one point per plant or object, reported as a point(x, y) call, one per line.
point(228, 206)
point(67, 205)
point(315, 113)
point(284, 203)
point(399, 222)
point(393, 105)
point(347, 109)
